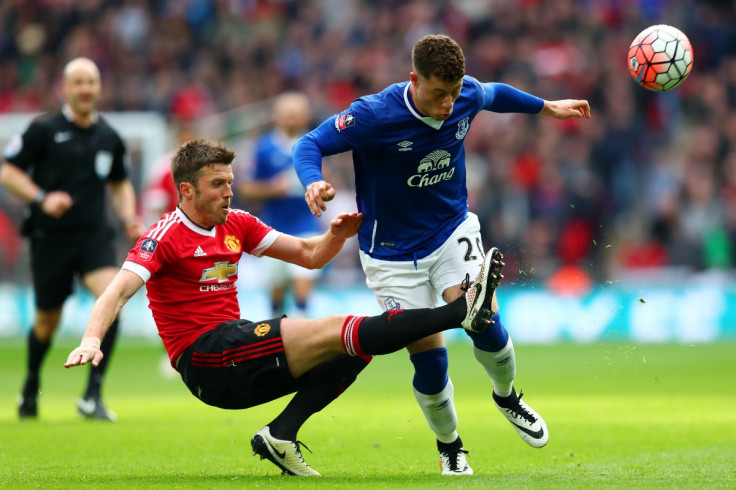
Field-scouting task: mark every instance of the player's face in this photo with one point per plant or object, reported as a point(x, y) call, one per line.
point(82, 89)
point(433, 97)
point(212, 197)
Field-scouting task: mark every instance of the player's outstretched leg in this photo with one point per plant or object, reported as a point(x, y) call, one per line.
point(284, 454)
point(480, 294)
point(527, 423)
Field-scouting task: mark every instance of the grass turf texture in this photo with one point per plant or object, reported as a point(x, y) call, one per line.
point(619, 416)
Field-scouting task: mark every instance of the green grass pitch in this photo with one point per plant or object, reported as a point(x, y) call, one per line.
point(620, 416)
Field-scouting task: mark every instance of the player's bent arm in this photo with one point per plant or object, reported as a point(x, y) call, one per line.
point(54, 203)
point(316, 252)
point(310, 148)
point(307, 155)
point(104, 311)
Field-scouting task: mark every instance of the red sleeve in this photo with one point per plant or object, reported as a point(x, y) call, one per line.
point(252, 230)
point(147, 252)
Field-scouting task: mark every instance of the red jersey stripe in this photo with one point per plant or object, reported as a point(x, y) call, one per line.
point(217, 363)
point(276, 340)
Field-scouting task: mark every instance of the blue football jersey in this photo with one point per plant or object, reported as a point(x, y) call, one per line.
point(288, 214)
point(409, 169)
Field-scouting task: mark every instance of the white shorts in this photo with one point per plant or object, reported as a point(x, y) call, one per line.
point(402, 285)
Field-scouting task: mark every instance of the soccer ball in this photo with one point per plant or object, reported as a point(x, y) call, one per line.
point(660, 58)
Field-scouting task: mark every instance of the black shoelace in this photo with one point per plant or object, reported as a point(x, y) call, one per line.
point(299, 445)
point(518, 410)
point(452, 456)
point(465, 285)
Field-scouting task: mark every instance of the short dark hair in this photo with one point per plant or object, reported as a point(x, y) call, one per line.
point(186, 166)
point(438, 55)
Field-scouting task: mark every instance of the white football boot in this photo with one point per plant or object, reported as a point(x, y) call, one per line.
point(453, 462)
point(284, 454)
point(479, 295)
point(527, 423)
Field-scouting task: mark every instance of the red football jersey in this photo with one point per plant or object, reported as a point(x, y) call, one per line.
point(190, 272)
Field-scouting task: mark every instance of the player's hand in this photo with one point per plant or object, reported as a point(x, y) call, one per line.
point(318, 193)
point(134, 228)
point(564, 109)
point(345, 225)
point(88, 350)
point(56, 203)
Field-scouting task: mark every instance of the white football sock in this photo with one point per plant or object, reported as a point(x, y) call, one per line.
point(500, 366)
point(439, 410)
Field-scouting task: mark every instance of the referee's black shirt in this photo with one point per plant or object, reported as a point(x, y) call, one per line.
point(61, 156)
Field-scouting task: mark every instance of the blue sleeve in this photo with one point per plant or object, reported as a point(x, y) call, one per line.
point(311, 147)
point(501, 97)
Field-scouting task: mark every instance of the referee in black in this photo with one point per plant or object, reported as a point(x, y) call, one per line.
point(61, 166)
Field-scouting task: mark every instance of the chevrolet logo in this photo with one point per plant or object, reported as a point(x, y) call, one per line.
point(221, 271)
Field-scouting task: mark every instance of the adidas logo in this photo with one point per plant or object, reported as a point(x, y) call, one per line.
point(199, 252)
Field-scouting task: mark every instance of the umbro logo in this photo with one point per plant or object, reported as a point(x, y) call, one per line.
point(503, 362)
point(199, 252)
point(62, 136)
point(405, 145)
point(442, 405)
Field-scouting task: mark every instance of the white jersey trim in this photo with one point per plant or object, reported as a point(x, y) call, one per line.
point(137, 269)
point(373, 236)
point(192, 226)
point(432, 123)
point(160, 228)
point(267, 241)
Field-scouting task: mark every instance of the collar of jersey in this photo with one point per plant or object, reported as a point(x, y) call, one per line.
point(69, 115)
point(195, 228)
point(433, 123)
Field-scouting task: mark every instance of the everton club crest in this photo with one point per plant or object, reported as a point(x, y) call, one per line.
point(462, 128)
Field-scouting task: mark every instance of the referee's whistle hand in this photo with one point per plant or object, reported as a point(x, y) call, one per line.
point(56, 203)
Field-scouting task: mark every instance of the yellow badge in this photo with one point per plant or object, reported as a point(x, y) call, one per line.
point(262, 329)
point(233, 244)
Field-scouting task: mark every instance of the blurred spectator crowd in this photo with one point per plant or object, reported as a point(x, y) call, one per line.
point(648, 185)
